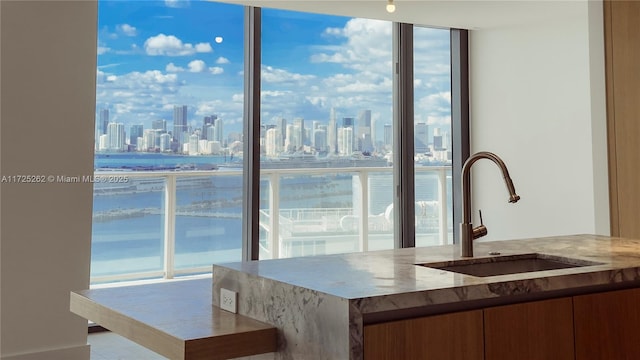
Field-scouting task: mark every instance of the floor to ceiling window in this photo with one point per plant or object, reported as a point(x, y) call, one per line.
point(432, 136)
point(326, 173)
point(169, 112)
point(168, 185)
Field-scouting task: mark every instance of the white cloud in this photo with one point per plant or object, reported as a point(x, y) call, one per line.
point(176, 3)
point(367, 46)
point(171, 67)
point(208, 107)
point(273, 75)
point(100, 75)
point(435, 106)
point(333, 32)
point(197, 66)
point(216, 70)
point(169, 45)
point(274, 93)
point(136, 96)
point(317, 100)
point(204, 48)
point(123, 93)
point(358, 62)
point(333, 58)
point(103, 50)
point(127, 29)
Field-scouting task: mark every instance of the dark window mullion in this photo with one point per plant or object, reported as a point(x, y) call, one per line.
point(403, 142)
point(459, 119)
point(251, 134)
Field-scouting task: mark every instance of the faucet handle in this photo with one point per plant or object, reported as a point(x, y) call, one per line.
point(479, 231)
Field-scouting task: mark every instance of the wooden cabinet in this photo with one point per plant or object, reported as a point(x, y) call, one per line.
point(622, 50)
point(607, 325)
point(532, 330)
point(449, 336)
point(601, 326)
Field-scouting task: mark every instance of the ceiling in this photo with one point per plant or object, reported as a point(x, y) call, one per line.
point(464, 14)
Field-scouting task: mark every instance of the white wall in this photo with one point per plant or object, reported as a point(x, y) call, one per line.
point(47, 120)
point(538, 101)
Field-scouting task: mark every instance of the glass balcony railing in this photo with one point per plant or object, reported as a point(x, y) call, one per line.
point(165, 224)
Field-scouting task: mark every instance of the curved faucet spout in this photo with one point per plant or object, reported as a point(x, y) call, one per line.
point(466, 228)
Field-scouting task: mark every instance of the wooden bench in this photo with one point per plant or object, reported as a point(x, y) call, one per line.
point(175, 319)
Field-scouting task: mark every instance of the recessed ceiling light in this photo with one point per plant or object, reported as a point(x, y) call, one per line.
point(390, 6)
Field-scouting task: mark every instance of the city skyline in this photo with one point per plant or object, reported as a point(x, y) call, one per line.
point(155, 55)
point(343, 138)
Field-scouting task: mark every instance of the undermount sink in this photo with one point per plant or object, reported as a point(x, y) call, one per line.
point(509, 264)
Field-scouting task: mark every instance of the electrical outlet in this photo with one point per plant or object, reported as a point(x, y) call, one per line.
point(228, 300)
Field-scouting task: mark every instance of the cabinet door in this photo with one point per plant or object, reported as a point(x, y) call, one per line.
point(607, 325)
point(450, 336)
point(533, 330)
point(622, 45)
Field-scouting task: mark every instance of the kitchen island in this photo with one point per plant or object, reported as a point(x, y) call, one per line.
point(387, 305)
point(322, 306)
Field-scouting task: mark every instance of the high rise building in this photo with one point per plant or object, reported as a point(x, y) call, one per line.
point(149, 140)
point(320, 139)
point(165, 142)
point(180, 123)
point(421, 137)
point(210, 132)
point(218, 132)
point(388, 135)
point(289, 141)
point(207, 123)
point(315, 124)
point(345, 141)
point(281, 123)
point(215, 147)
point(203, 147)
point(348, 123)
point(103, 143)
point(104, 121)
point(437, 139)
point(364, 131)
point(159, 124)
point(332, 136)
point(366, 146)
point(272, 142)
point(194, 143)
point(134, 133)
point(374, 136)
point(298, 124)
point(116, 136)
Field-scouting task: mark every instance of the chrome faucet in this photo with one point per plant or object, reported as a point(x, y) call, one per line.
point(467, 232)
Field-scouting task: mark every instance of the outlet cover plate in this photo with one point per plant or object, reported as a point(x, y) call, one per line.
point(228, 300)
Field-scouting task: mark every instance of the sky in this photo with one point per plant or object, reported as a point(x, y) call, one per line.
point(153, 55)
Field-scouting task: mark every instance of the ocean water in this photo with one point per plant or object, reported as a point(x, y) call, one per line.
point(128, 226)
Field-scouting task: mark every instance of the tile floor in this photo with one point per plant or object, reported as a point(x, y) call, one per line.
point(110, 346)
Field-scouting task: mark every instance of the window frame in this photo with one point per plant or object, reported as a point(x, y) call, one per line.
point(403, 116)
point(403, 137)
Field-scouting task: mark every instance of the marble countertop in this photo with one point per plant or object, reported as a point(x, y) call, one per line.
point(392, 272)
point(321, 304)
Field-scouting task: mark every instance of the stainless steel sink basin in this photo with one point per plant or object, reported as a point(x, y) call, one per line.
point(509, 264)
